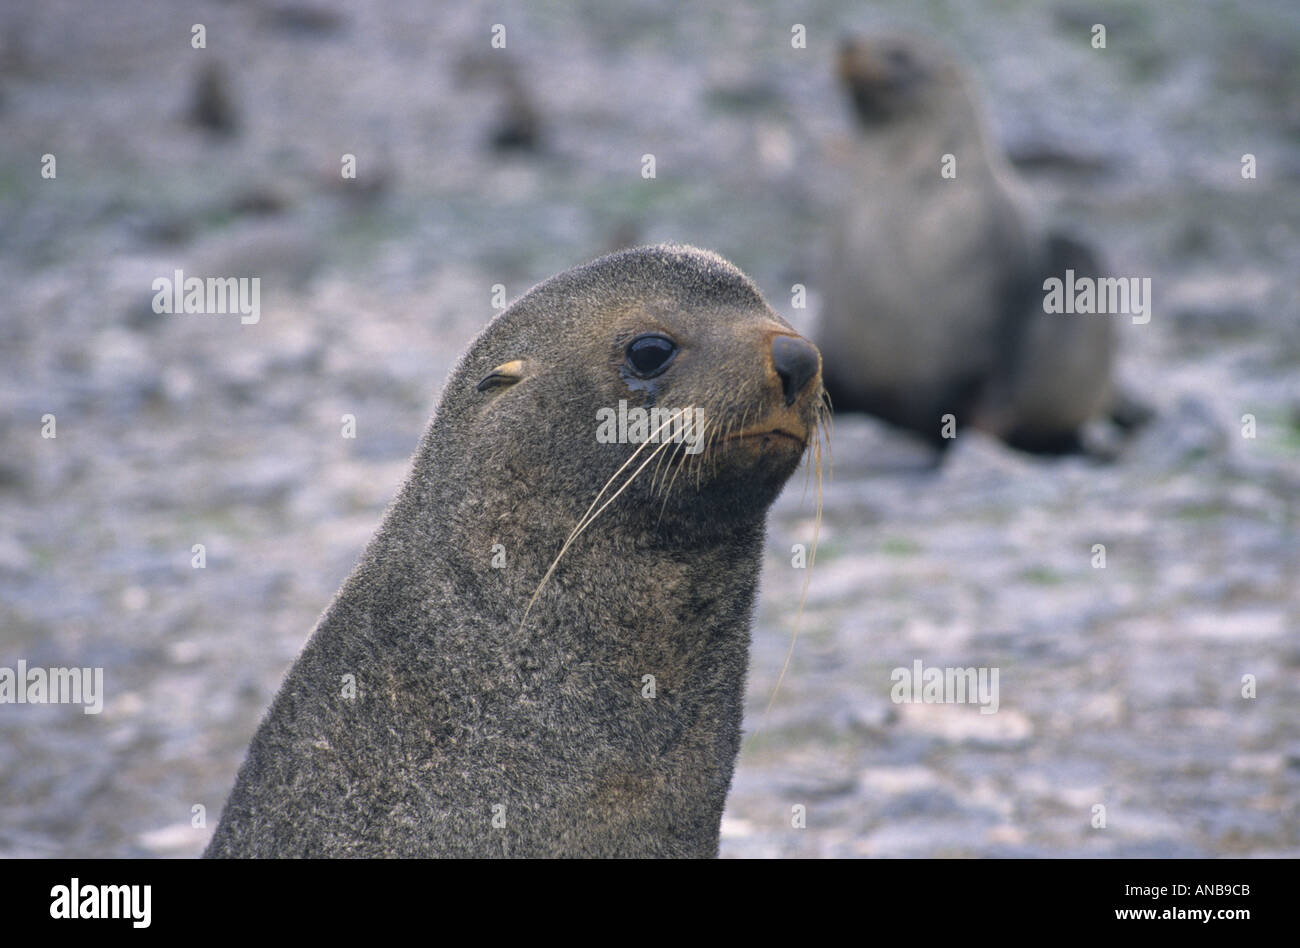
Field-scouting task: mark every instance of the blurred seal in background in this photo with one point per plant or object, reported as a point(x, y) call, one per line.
point(934, 285)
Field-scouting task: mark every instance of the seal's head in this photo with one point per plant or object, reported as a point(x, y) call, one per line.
point(659, 374)
point(891, 79)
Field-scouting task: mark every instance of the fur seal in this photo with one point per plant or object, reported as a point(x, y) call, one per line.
point(934, 288)
point(507, 711)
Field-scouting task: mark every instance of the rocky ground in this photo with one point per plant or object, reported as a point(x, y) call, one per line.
point(1119, 686)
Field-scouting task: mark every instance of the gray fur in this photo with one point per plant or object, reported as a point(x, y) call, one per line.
point(934, 285)
point(460, 711)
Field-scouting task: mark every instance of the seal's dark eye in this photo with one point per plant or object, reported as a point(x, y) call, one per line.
point(650, 354)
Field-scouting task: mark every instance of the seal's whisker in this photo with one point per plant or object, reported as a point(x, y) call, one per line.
point(673, 456)
point(698, 466)
point(625, 485)
point(737, 427)
point(667, 488)
point(720, 443)
point(589, 516)
point(808, 456)
point(803, 594)
point(827, 429)
point(734, 426)
point(652, 438)
point(658, 466)
point(656, 483)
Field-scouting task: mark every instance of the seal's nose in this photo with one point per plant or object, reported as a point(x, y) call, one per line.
point(797, 361)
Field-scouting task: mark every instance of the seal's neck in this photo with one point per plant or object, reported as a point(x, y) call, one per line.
point(956, 125)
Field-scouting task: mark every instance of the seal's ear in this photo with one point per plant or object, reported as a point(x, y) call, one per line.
point(507, 373)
